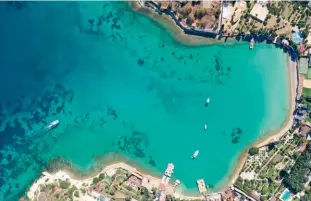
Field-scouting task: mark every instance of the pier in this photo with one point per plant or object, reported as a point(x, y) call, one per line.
point(165, 181)
point(201, 186)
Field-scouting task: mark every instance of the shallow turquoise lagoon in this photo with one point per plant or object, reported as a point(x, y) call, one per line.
point(121, 87)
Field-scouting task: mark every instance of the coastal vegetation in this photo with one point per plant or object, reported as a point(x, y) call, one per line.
point(279, 165)
point(253, 151)
point(298, 174)
point(307, 93)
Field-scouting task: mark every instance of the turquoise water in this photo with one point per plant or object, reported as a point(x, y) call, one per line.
point(286, 195)
point(119, 84)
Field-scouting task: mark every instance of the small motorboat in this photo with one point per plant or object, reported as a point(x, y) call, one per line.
point(196, 153)
point(251, 45)
point(53, 124)
point(205, 127)
point(207, 101)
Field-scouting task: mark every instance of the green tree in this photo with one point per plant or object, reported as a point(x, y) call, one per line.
point(199, 13)
point(248, 4)
point(186, 10)
point(96, 180)
point(283, 174)
point(169, 5)
point(307, 195)
point(297, 176)
point(101, 176)
point(76, 194)
point(144, 191)
point(253, 151)
point(64, 184)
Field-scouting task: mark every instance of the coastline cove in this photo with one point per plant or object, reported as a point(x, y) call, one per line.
point(123, 89)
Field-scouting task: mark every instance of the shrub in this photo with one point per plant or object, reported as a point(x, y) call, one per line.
point(101, 176)
point(83, 190)
point(199, 13)
point(64, 184)
point(96, 180)
point(186, 10)
point(76, 194)
point(253, 151)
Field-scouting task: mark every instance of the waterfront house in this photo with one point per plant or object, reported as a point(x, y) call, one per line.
point(133, 182)
point(304, 131)
point(259, 12)
point(302, 112)
point(299, 118)
point(229, 195)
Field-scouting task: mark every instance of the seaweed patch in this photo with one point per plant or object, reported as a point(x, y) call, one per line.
point(152, 162)
point(235, 135)
point(140, 62)
point(134, 144)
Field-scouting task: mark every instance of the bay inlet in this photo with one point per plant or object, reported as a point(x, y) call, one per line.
point(124, 89)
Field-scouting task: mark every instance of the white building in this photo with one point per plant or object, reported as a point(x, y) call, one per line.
point(259, 12)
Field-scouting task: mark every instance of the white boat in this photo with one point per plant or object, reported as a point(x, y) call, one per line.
point(196, 153)
point(205, 127)
point(53, 124)
point(207, 101)
point(251, 45)
point(46, 128)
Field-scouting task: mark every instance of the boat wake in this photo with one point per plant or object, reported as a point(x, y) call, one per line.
point(45, 129)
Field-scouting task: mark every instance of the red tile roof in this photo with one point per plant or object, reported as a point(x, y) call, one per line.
point(304, 130)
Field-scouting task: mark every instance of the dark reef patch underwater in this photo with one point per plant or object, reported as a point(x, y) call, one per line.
point(120, 85)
